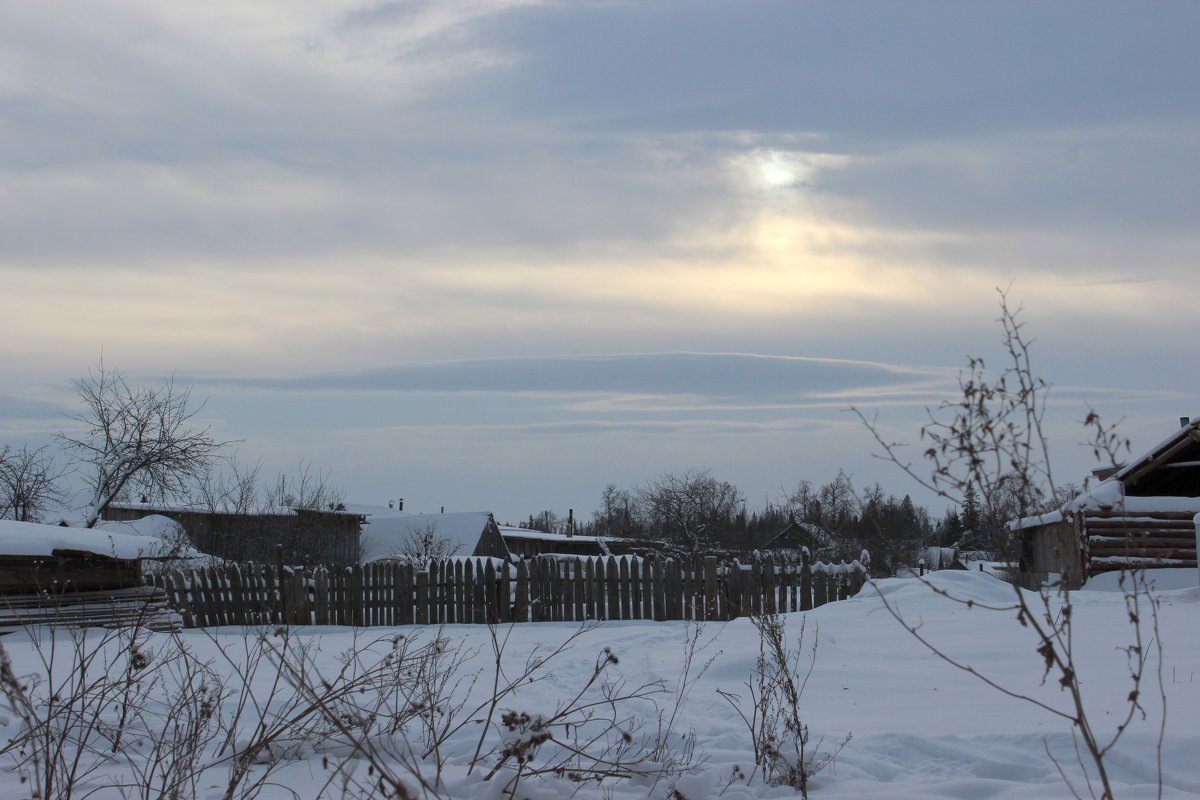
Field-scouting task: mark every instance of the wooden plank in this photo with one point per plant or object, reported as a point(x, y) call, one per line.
point(589, 588)
point(625, 588)
point(579, 590)
point(806, 587)
point(537, 610)
point(461, 592)
point(504, 608)
point(635, 587)
point(670, 589)
point(422, 598)
point(321, 595)
point(521, 608)
point(554, 589)
point(597, 590)
point(647, 592)
point(612, 589)
point(711, 596)
point(490, 594)
point(820, 589)
point(482, 590)
point(657, 593)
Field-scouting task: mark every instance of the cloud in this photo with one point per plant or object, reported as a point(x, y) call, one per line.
point(713, 375)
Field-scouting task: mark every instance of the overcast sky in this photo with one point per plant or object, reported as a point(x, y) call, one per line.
point(494, 255)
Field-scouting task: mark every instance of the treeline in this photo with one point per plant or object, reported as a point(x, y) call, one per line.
point(694, 512)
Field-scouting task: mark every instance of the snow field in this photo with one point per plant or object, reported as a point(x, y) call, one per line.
point(920, 727)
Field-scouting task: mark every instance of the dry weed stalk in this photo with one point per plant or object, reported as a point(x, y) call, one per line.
point(775, 721)
point(992, 439)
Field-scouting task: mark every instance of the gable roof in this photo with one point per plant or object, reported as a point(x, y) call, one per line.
point(1171, 468)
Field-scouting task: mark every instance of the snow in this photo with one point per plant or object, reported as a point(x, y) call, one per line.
point(1161, 579)
point(144, 539)
point(921, 728)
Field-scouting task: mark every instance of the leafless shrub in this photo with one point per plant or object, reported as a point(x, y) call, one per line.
point(141, 713)
point(775, 721)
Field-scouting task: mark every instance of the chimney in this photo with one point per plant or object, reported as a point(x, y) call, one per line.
point(401, 501)
point(443, 509)
point(1185, 421)
point(391, 504)
point(570, 522)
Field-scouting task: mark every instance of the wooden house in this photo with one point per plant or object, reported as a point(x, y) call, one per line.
point(1140, 516)
point(797, 536)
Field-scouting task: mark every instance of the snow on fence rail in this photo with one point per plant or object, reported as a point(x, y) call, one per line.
point(481, 590)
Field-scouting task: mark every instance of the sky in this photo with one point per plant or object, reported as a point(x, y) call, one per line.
point(495, 255)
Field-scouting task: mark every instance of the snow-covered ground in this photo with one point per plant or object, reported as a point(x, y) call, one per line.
point(920, 728)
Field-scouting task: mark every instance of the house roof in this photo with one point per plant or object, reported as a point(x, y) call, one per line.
point(388, 535)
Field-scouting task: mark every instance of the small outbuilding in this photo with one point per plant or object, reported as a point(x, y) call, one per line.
point(1142, 516)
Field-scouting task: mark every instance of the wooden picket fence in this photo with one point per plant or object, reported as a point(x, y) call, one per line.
point(478, 590)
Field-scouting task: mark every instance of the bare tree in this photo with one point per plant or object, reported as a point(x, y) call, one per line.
point(690, 509)
point(136, 437)
point(28, 483)
point(419, 547)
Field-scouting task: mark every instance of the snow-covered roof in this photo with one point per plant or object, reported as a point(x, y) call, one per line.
point(542, 536)
point(34, 539)
point(1111, 493)
point(387, 536)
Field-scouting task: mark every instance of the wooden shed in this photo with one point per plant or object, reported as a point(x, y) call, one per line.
point(306, 536)
point(1140, 517)
point(77, 576)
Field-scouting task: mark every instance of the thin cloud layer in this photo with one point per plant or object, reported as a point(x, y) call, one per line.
point(307, 194)
point(711, 375)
